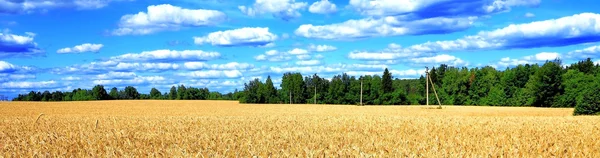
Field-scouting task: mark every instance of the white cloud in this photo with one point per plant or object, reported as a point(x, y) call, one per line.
point(282, 9)
point(297, 51)
point(166, 17)
point(277, 56)
point(434, 8)
point(86, 47)
point(227, 66)
point(308, 62)
point(12, 45)
point(168, 55)
point(531, 59)
point(439, 59)
point(116, 75)
point(249, 36)
point(386, 54)
point(322, 7)
point(211, 74)
point(411, 73)
point(576, 29)
point(543, 56)
point(379, 27)
point(305, 69)
point(71, 78)
point(30, 6)
point(137, 80)
point(7, 67)
point(321, 48)
point(122, 66)
point(29, 85)
point(589, 52)
point(15, 77)
point(394, 46)
point(529, 15)
point(303, 56)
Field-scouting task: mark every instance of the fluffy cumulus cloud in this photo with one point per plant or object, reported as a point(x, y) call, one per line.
point(227, 66)
point(308, 62)
point(589, 52)
point(322, 7)
point(247, 36)
point(409, 73)
point(321, 48)
point(439, 59)
point(278, 56)
point(6, 77)
point(30, 6)
point(134, 81)
point(86, 47)
point(392, 52)
point(435, 8)
point(110, 65)
point(6, 67)
point(37, 85)
point(168, 55)
point(380, 27)
point(166, 17)
point(531, 59)
point(575, 29)
point(148, 61)
point(282, 9)
point(212, 74)
point(12, 45)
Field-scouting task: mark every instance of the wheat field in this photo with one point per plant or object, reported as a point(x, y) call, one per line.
point(228, 129)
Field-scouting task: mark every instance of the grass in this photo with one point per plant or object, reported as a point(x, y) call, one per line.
point(229, 129)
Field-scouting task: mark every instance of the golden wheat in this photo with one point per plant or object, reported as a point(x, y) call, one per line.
point(229, 129)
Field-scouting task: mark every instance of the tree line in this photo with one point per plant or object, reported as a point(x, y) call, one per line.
point(128, 93)
point(546, 85)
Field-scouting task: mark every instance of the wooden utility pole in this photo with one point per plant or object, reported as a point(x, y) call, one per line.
point(427, 84)
point(290, 97)
point(361, 91)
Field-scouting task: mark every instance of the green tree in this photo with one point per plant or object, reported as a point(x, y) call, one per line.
point(114, 93)
point(131, 93)
point(173, 93)
point(269, 92)
point(293, 84)
point(545, 86)
point(589, 104)
point(155, 94)
point(575, 84)
point(99, 93)
point(386, 81)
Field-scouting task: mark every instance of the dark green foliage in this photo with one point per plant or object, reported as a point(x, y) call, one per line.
point(550, 85)
point(114, 93)
point(155, 94)
point(386, 81)
point(99, 93)
point(545, 87)
point(589, 103)
point(129, 93)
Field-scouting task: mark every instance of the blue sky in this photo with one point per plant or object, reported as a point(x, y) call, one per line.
point(221, 44)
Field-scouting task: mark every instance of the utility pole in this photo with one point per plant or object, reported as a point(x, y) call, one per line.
point(290, 97)
point(361, 91)
point(315, 94)
point(428, 81)
point(427, 84)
